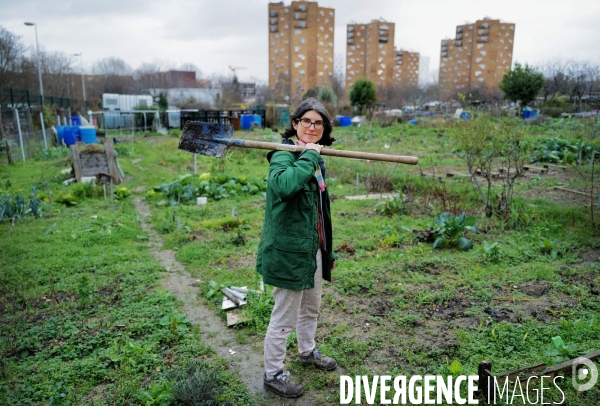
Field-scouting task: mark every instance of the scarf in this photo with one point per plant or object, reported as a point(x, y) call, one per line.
point(318, 174)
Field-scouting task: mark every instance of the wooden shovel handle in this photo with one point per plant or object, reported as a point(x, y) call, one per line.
point(409, 160)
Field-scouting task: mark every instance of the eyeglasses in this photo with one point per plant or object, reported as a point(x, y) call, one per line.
point(306, 123)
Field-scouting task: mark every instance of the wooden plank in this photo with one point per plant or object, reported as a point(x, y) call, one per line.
point(76, 162)
point(552, 166)
point(109, 147)
point(571, 191)
point(567, 366)
point(512, 375)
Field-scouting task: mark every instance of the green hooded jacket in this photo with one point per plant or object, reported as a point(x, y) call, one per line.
point(289, 241)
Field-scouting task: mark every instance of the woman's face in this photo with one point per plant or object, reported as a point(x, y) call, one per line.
point(314, 132)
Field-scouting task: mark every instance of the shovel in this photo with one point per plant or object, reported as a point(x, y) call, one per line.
point(214, 139)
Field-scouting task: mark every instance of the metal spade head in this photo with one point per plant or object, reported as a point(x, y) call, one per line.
point(206, 138)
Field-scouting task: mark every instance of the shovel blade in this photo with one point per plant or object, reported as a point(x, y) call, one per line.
point(206, 138)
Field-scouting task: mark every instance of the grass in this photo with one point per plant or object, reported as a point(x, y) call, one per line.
point(396, 306)
point(84, 319)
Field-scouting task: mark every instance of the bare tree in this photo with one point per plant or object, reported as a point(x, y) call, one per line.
point(390, 95)
point(57, 74)
point(153, 75)
point(11, 55)
point(112, 66)
point(577, 71)
point(411, 94)
point(557, 79)
point(337, 84)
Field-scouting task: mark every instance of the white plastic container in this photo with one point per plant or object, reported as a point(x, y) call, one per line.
point(201, 200)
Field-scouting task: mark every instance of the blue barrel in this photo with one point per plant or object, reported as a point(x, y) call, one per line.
point(526, 113)
point(60, 134)
point(68, 136)
point(345, 121)
point(414, 121)
point(246, 121)
point(75, 120)
point(257, 119)
point(88, 134)
point(76, 132)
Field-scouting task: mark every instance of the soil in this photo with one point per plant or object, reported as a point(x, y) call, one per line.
point(248, 358)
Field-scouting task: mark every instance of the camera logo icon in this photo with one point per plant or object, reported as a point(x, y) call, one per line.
point(584, 378)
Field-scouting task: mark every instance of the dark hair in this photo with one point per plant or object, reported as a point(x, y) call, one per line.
point(307, 105)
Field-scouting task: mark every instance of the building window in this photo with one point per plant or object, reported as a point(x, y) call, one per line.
point(350, 35)
point(299, 16)
point(273, 14)
point(300, 24)
point(485, 25)
point(458, 43)
point(350, 42)
point(458, 36)
point(384, 27)
point(483, 39)
point(459, 30)
point(301, 7)
point(273, 29)
point(350, 29)
point(383, 40)
point(273, 21)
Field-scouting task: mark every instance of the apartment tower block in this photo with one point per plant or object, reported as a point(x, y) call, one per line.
point(300, 48)
point(477, 57)
point(370, 53)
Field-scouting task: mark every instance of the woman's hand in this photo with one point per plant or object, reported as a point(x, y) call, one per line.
point(332, 265)
point(314, 147)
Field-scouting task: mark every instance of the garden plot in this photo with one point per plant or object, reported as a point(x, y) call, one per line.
point(396, 306)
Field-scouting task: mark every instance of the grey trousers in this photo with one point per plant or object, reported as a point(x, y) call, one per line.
point(293, 309)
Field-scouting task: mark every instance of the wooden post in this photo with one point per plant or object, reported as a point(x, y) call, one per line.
point(109, 147)
point(484, 370)
point(76, 162)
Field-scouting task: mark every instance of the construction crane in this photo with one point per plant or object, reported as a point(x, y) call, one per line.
point(235, 68)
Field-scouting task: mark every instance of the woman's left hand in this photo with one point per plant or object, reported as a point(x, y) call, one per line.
point(332, 265)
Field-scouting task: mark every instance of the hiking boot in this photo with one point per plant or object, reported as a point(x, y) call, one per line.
point(319, 360)
point(282, 386)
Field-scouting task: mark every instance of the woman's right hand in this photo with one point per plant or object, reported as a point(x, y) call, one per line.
point(314, 147)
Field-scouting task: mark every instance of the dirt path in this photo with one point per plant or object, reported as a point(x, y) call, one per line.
point(248, 358)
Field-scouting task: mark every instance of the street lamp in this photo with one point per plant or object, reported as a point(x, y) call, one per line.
point(82, 81)
point(38, 60)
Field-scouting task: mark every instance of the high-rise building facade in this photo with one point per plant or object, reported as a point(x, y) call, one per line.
point(370, 53)
point(406, 68)
point(477, 57)
point(300, 48)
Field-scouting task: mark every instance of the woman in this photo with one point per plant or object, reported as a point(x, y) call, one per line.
point(295, 252)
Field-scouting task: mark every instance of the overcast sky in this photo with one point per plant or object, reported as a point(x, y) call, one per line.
point(218, 33)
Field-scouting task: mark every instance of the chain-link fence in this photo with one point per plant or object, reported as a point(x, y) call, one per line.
point(22, 135)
